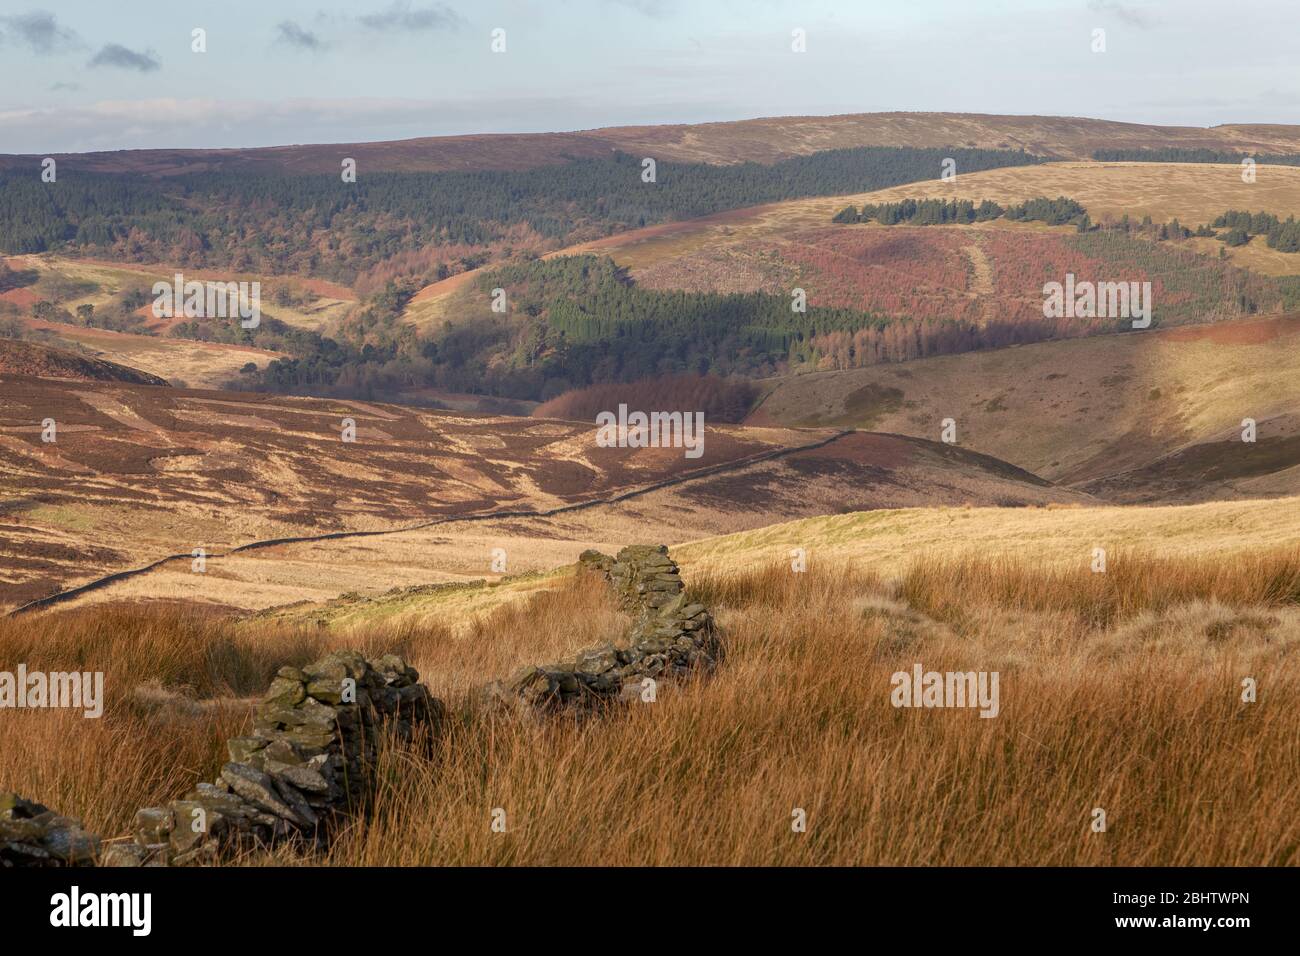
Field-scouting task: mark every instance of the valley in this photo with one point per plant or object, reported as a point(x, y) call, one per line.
point(909, 464)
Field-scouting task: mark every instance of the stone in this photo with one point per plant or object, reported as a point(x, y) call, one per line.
point(309, 739)
point(153, 824)
point(285, 692)
point(304, 778)
point(189, 813)
point(656, 644)
point(328, 689)
point(671, 636)
point(243, 749)
point(123, 854)
point(72, 845)
point(597, 659)
point(296, 801)
point(205, 855)
point(14, 806)
point(565, 680)
point(21, 831)
point(258, 788)
point(283, 751)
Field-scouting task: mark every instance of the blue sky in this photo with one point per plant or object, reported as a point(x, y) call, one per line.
point(112, 74)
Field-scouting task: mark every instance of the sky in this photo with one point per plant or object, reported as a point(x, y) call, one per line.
point(80, 75)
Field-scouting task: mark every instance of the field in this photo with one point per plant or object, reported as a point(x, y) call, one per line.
point(71, 282)
point(885, 543)
point(797, 718)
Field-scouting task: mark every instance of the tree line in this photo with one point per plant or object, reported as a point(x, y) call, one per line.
point(933, 212)
point(318, 225)
point(1174, 154)
point(1282, 235)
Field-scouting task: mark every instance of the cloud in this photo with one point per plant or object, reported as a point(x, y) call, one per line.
point(1123, 12)
point(403, 17)
point(292, 34)
point(64, 87)
point(41, 31)
point(114, 54)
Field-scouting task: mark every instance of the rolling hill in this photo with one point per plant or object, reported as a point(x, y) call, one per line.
point(30, 359)
point(140, 474)
point(1144, 416)
point(761, 140)
point(916, 271)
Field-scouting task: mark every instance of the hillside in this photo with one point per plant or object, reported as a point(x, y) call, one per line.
point(148, 473)
point(104, 308)
point(32, 359)
point(886, 543)
point(762, 140)
point(1192, 193)
point(1152, 416)
point(777, 246)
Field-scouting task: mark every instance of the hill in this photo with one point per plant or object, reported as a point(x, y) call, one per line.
point(763, 140)
point(776, 246)
point(32, 359)
point(147, 474)
point(887, 543)
point(732, 242)
point(874, 293)
point(1151, 416)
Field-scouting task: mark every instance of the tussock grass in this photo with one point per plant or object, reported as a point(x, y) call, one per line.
point(775, 585)
point(179, 681)
point(1138, 713)
point(1152, 730)
point(950, 587)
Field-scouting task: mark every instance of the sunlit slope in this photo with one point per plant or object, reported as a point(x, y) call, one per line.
point(886, 541)
point(1082, 410)
point(742, 249)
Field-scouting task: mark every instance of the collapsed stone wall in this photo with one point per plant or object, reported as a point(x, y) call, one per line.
point(307, 765)
point(34, 835)
point(317, 732)
point(670, 637)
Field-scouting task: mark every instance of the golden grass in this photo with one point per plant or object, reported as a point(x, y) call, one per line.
point(179, 681)
point(1131, 582)
point(888, 541)
point(799, 717)
point(1136, 711)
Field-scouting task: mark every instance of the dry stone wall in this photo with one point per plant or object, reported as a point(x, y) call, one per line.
point(670, 637)
point(309, 761)
point(34, 835)
point(307, 765)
